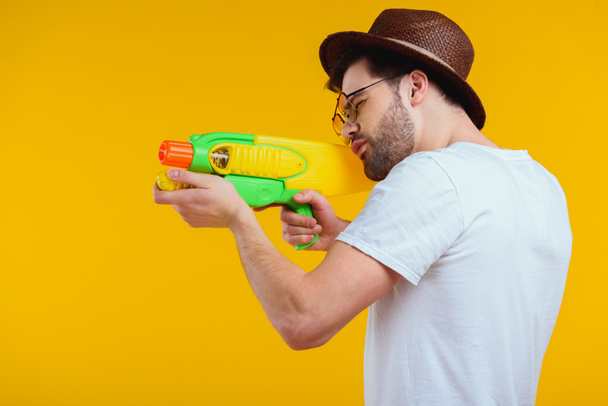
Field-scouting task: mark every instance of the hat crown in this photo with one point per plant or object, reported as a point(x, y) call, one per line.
point(430, 31)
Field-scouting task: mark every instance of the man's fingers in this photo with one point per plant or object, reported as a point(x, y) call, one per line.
point(298, 239)
point(182, 196)
point(305, 196)
point(199, 180)
point(296, 230)
point(161, 196)
point(316, 200)
point(291, 217)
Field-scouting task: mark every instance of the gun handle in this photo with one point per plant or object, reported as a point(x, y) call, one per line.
point(305, 210)
point(259, 192)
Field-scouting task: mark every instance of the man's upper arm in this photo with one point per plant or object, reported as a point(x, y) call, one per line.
point(344, 284)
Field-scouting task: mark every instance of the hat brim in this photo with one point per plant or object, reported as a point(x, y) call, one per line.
point(335, 44)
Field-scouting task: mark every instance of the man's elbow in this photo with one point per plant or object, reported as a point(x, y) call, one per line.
point(304, 335)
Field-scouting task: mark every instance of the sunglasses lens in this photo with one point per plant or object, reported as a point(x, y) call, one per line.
point(338, 124)
point(345, 111)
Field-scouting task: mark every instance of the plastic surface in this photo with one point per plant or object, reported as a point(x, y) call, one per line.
point(176, 153)
point(259, 161)
point(266, 169)
point(332, 170)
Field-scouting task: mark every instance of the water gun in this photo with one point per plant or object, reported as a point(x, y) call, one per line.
point(266, 169)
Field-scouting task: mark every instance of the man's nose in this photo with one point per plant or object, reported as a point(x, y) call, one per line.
point(349, 130)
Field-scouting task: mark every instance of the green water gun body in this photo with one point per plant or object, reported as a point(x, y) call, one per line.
point(266, 169)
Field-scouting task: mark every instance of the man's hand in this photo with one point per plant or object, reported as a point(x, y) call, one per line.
point(213, 202)
point(298, 229)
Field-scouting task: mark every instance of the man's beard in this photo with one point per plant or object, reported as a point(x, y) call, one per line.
point(393, 141)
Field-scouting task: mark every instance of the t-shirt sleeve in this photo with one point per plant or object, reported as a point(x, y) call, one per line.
point(410, 219)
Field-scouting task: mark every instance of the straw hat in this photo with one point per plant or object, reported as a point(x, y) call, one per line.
point(429, 38)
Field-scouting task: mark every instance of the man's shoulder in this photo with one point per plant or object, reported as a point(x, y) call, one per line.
point(466, 158)
point(472, 152)
point(455, 157)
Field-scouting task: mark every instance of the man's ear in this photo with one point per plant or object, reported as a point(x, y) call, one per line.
point(417, 86)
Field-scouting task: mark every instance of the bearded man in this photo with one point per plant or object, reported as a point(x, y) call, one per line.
point(461, 251)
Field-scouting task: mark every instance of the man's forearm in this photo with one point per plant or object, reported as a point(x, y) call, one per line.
point(308, 309)
point(279, 285)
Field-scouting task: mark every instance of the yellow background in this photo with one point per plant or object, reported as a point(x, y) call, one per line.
point(109, 299)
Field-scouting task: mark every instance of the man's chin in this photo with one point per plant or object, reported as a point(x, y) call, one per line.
point(373, 175)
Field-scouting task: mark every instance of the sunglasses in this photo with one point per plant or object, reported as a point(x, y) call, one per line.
point(346, 111)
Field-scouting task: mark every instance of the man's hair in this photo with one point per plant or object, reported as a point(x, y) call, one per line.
point(383, 64)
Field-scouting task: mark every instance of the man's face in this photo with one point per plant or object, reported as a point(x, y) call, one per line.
point(384, 133)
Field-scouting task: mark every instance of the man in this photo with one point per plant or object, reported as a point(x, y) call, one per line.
point(461, 250)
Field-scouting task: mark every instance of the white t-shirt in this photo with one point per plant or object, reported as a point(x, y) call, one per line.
point(483, 241)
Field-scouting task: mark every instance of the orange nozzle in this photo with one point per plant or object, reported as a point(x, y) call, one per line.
point(176, 153)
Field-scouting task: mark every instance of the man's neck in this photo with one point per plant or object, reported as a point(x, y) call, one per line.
point(445, 125)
